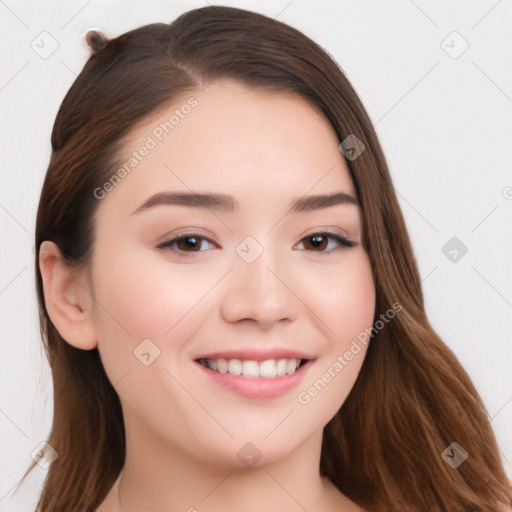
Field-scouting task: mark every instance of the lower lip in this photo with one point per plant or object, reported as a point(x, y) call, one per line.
point(257, 387)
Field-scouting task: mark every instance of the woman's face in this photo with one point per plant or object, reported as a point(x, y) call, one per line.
point(236, 275)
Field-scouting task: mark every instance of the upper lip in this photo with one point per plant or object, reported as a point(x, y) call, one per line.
point(252, 354)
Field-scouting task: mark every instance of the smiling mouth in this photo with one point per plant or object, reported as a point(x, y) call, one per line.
point(270, 368)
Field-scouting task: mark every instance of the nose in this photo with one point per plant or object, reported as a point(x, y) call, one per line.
point(260, 292)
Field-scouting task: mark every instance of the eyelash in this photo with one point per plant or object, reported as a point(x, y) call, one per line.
point(344, 242)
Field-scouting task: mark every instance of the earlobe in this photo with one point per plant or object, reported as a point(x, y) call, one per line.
point(67, 301)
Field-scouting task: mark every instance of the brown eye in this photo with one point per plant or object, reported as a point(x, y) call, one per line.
point(187, 243)
point(319, 242)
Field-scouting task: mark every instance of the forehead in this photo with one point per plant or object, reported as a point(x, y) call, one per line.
point(234, 139)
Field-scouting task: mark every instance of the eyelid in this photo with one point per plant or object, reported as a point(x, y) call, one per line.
point(331, 230)
point(175, 235)
point(315, 230)
point(339, 235)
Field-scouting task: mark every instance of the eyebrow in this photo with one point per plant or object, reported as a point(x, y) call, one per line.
point(226, 203)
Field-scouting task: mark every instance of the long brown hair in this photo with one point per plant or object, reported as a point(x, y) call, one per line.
point(411, 399)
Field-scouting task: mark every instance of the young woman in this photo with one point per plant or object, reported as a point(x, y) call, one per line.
point(228, 296)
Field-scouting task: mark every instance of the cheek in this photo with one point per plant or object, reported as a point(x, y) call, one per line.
point(343, 297)
point(139, 299)
point(346, 306)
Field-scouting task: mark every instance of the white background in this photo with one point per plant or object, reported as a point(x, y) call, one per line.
point(445, 125)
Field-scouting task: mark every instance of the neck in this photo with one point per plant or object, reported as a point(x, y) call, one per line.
point(157, 476)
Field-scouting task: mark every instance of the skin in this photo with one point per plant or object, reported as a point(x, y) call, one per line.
point(183, 432)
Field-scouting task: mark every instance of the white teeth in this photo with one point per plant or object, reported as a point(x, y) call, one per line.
point(281, 368)
point(222, 365)
point(291, 366)
point(235, 367)
point(268, 369)
point(250, 369)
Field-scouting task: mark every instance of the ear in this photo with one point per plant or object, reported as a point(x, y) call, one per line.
point(67, 298)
